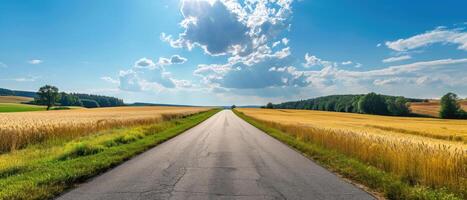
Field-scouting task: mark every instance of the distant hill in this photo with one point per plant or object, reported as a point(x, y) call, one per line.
point(7, 92)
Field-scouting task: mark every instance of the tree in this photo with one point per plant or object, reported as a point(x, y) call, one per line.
point(450, 108)
point(397, 106)
point(48, 95)
point(69, 100)
point(233, 107)
point(373, 103)
point(269, 105)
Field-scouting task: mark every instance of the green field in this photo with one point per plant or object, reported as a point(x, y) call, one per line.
point(16, 107)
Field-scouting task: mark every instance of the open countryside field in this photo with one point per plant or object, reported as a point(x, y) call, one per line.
point(431, 108)
point(18, 107)
point(421, 151)
point(14, 99)
point(44, 170)
point(18, 130)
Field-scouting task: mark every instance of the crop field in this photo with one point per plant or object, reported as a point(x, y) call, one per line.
point(20, 129)
point(14, 99)
point(421, 151)
point(430, 108)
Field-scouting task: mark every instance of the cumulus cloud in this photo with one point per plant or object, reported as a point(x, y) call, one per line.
point(129, 80)
point(446, 72)
point(271, 71)
point(227, 27)
point(347, 62)
point(35, 61)
point(248, 33)
point(439, 35)
point(150, 64)
point(398, 58)
point(176, 59)
point(145, 63)
point(147, 75)
point(311, 60)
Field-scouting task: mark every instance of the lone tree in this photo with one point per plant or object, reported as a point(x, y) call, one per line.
point(269, 105)
point(450, 108)
point(233, 107)
point(48, 95)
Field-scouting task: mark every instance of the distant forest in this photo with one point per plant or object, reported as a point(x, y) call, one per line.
point(70, 99)
point(7, 92)
point(362, 103)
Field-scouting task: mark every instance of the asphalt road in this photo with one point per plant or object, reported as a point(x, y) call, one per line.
point(222, 158)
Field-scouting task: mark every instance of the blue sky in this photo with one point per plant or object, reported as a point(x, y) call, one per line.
point(208, 52)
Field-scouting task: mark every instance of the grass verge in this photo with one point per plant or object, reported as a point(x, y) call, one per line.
point(45, 170)
point(392, 187)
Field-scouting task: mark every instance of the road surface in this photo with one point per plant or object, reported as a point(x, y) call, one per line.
point(222, 158)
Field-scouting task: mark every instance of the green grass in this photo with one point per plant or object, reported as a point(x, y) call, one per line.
point(45, 170)
point(379, 181)
point(17, 107)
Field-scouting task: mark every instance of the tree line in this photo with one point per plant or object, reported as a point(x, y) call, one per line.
point(50, 96)
point(370, 103)
point(7, 92)
point(373, 103)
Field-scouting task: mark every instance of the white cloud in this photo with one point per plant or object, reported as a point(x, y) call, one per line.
point(150, 64)
point(176, 59)
point(145, 63)
point(346, 62)
point(250, 25)
point(35, 61)
point(438, 35)
point(358, 65)
point(378, 45)
point(3, 65)
point(276, 44)
point(398, 58)
point(147, 75)
point(311, 60)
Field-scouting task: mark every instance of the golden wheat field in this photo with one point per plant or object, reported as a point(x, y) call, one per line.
point(426, 151)
point(21, 129)
point(431, 108)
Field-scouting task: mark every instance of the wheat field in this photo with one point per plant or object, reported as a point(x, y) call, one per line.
point(419, 150)
point(18, 130)
point(431, 108)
